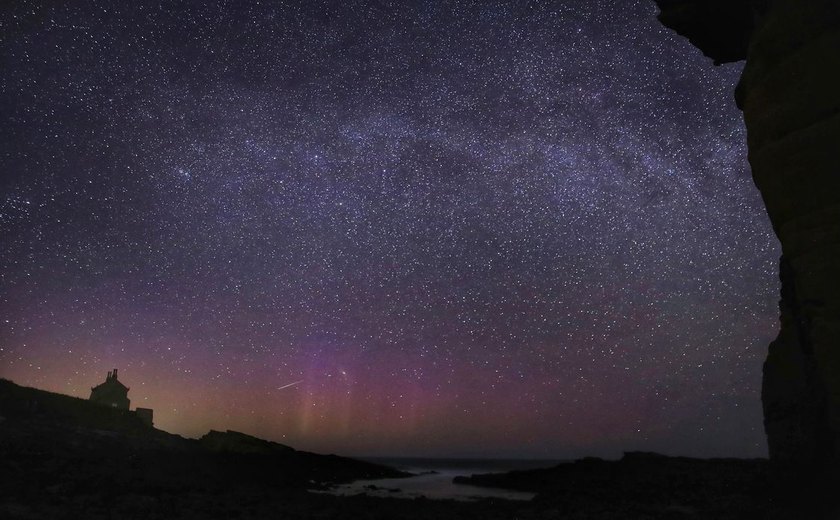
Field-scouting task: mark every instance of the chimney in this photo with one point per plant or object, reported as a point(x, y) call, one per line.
point(108, 377)
point(115, 373)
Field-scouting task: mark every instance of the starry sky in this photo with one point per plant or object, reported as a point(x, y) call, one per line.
point(490, 228)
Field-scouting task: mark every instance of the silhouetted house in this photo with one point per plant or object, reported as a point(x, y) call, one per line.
point(114, 394)
point(111, 393)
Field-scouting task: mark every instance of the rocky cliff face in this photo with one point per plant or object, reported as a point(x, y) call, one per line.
point(790, 95)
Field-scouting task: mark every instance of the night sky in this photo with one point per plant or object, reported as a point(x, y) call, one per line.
point(436, 228)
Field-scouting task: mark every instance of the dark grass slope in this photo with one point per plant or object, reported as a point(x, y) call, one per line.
point(76, 455)
point(40, 428)
point(23, 403)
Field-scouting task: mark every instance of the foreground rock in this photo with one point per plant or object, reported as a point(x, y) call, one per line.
point(644, 485)
point(64, 458)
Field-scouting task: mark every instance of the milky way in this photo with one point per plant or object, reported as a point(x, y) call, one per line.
point(490, 228)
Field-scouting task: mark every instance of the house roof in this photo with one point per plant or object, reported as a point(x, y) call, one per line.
point(110, 384)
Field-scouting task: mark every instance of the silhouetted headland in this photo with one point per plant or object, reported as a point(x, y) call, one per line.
point(64, 457)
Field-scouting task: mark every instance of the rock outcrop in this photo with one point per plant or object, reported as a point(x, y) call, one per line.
point(237, 442)
point(790, 95)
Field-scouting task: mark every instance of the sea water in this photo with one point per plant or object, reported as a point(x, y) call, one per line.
point(433, 479)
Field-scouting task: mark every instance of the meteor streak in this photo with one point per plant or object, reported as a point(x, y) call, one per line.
point(290, 384)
